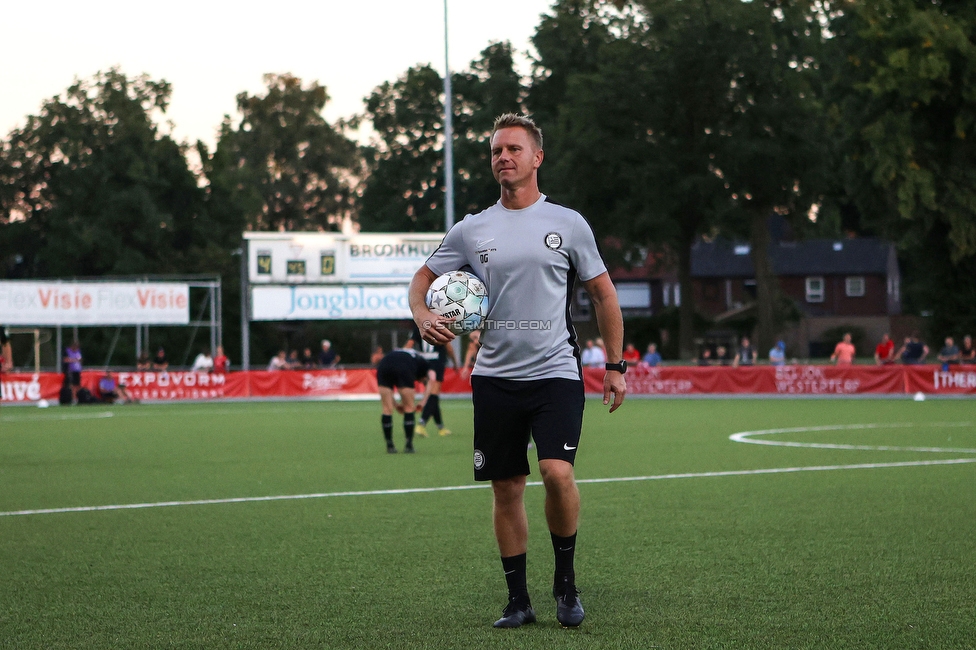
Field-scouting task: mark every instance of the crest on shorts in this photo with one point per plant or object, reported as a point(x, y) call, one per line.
point(554, 240)
point(479, 459)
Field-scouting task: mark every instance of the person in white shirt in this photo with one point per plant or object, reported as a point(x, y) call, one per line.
point(203, 362)
point(279, 361)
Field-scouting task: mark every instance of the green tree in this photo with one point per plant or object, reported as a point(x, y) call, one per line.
point(404, 190)
point(635, 156)
point(772, 151)
point(90, 186)
point(903, 82)
point(283, 166)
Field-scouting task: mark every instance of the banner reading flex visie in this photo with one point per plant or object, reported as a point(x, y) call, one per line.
point(38, 303)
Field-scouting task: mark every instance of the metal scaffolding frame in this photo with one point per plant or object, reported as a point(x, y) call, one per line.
point(209, 315)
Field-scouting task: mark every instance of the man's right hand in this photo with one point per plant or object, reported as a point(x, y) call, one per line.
point(433, 328)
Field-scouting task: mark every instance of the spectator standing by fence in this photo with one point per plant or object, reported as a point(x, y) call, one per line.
point(746, 356)
point(327, 356)
point(967, 354)
point(913, 351)
point(221, 364)
point(884, 353)
point(652, 357)
point(949, 354)
point(72, 368)
point(844, 352)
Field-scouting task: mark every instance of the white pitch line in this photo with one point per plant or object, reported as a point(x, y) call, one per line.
point(457, 488)
point(66, 416)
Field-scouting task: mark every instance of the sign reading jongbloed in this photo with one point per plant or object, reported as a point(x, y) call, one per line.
point(351, 302)
point(39, 303)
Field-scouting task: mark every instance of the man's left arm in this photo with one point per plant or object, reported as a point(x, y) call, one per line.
point(603, 297)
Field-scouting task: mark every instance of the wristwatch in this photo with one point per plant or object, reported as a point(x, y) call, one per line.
point(619, 367)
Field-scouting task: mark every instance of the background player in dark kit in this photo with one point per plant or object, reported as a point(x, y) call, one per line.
point(437, 357)
point(399, 370)
point(528, 381)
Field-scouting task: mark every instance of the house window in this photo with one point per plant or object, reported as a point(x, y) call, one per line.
point(854, 286)
point(815, 289)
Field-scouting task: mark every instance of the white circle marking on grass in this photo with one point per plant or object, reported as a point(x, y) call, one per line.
point(747, 437)
point(744, 436)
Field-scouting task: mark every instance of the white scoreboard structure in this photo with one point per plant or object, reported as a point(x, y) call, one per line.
point(331, 276)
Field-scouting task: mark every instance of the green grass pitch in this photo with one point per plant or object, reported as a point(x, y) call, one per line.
point(704, 551)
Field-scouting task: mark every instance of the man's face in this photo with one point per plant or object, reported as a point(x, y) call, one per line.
point(514, 157)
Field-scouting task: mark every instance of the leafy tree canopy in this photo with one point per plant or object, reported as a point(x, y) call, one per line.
point(90, 186)
point(283, 167)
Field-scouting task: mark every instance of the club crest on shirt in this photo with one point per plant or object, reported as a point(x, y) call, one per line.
point(554, 240)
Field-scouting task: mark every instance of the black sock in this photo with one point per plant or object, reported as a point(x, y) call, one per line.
point(387, 421)
point(565, 551)
point(430, 408)
point(436, 410)
point(408, 424)
point(514, 568)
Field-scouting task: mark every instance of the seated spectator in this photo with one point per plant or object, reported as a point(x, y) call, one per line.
point(949, 354)
point(722, 356)
point(109, 390)
point(144, 362)
point(160, 362)
point(221, 364)
point(746, 356)
point(844, 352)
point(279, 361)
point(308, 359)
point(294, 362)
point(705, 358)
point(967, 354)
point(377, 355)
point(593, 356)
point(327, 356)
point(913, 351)
point(884, 353)
point(203, 362)
point(777, 355)
point(631, 355)
point(652, 357)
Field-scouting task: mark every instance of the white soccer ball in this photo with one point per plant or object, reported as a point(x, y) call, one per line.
point(461, 296)
point(42, 404)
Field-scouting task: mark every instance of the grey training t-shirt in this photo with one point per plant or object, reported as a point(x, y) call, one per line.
point(529, 259)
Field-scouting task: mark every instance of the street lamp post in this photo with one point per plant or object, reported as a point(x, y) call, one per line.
point(448, 137)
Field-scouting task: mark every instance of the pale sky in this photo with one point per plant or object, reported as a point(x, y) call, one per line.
point(211, 50)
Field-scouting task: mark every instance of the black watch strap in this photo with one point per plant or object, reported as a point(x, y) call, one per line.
point(619, 367)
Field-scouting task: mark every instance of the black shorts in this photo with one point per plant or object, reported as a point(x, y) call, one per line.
point(438, 367)
point(394, 372)
point(73, 378)
point(508, 412)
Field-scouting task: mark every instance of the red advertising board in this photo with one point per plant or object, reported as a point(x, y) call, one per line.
point(641, 380)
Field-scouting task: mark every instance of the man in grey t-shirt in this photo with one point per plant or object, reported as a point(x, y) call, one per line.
point(527, 380)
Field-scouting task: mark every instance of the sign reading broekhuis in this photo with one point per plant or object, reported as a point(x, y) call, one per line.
point(333, 258)
point(53, 303)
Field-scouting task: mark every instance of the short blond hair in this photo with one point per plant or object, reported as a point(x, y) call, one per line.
point(509, 120)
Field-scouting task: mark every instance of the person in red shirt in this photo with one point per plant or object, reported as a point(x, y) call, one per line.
point(631, 355)
point(844, 352)
point(884, 353)
point(220, 361)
